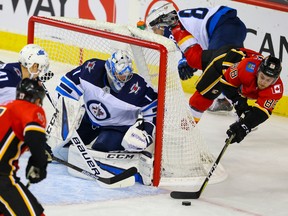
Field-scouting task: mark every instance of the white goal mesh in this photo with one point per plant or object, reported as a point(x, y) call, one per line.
point(180, 151)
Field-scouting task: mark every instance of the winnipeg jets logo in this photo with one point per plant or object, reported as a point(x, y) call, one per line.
point(98, 110)
point(135, 88)
point(18, 72)
point(41, 52)
point(90, 66)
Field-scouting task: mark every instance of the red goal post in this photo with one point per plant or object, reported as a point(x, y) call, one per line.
point(180, 152)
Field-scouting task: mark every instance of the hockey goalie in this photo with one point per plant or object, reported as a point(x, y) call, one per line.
point(118, 116)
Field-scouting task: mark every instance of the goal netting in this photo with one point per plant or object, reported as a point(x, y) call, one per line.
point(180, 152)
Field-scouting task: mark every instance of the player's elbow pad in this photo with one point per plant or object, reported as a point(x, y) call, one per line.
point(255, 117)
point(194, 56)
point(183, 38)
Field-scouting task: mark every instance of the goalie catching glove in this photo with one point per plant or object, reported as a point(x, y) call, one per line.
point(139, 136)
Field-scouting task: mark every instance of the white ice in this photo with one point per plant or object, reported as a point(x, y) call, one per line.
point(256, 185)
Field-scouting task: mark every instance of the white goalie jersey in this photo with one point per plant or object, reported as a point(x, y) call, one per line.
point(103, 106)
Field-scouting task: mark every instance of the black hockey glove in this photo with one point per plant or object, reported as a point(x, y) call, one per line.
point(239, 129)
point(184, 70)
point(33, 173)
point(49, 153)
point(241, 106)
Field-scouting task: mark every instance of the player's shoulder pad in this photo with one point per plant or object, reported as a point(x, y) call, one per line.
point(39, 115)
point(11, 72)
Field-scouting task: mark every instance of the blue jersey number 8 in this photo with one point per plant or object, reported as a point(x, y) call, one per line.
point(198, 13)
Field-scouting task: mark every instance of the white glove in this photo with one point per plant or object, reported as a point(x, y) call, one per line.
point(135, 139)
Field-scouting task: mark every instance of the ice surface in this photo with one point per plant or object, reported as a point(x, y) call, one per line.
point(256, 185)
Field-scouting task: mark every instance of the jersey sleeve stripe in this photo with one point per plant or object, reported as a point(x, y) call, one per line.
point(150, 106)
point(34, 128)
point(71, 85)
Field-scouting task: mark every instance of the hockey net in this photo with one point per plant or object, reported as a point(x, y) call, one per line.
point(180, 153)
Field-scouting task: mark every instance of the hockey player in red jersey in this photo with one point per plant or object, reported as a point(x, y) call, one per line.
point(257, 79)
point(240, 74)
point(23, 123)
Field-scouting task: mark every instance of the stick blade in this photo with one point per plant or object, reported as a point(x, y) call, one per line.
point(127, 182)
point(185, 195)
point(117, 178)
point(122, 180)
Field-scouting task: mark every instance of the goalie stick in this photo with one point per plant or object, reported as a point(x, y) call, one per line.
point(89, 160)
point(65, 126)
point(196, 194)
point(124, 179)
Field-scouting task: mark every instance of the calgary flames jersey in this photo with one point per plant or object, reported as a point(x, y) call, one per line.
point(243, 75)
point(19, 118)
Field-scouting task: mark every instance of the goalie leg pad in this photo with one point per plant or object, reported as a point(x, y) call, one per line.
point(111, 163)
point(115, 162)
point(146, 168)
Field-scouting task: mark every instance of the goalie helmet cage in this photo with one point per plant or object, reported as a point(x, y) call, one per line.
point(180, 154)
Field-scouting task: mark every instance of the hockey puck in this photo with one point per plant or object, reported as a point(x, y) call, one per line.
point(186, 203)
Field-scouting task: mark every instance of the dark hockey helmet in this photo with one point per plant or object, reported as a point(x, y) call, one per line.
point(30, 90)
point(271, 66)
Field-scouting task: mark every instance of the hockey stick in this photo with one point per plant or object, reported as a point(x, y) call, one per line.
point(196, 194)
point(124, 179)
point(55, 114)
point(65, 127)
point(89, 160)
point(82, 150)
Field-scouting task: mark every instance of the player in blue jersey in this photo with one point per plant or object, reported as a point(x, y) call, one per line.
point(114, 97)
point(32, 61)
point(212, 27)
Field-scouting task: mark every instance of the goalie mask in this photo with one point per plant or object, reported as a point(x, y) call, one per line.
point(30, 90)
point(119, 70)
point(164, 16)
point(33, 54)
